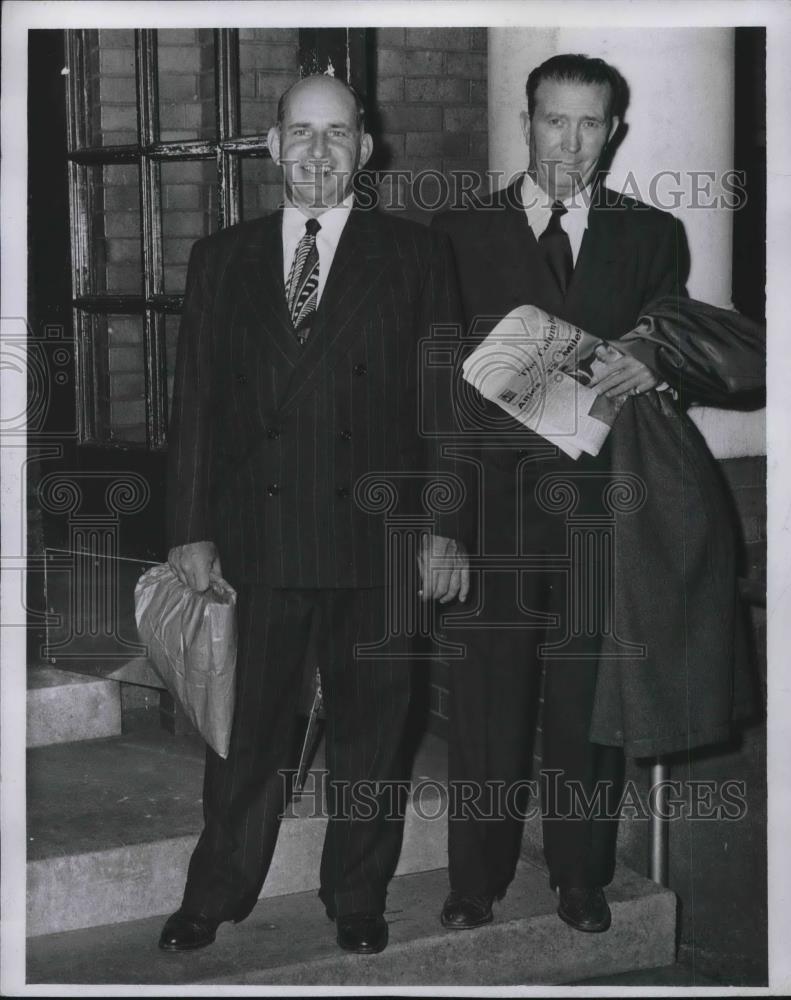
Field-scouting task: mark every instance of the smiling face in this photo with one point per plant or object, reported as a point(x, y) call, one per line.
point(319, 144)
point(567, 134)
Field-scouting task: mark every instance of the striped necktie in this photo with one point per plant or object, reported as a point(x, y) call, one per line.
point(556, 248)
point(302, 285)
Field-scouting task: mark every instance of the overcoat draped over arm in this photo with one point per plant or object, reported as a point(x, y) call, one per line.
point(675, 579)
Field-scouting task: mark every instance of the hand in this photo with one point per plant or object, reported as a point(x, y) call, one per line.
point(621, 374)
point(444, 569)
point(196, 564)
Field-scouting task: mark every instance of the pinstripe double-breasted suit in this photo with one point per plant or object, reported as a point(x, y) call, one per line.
point(268, 439)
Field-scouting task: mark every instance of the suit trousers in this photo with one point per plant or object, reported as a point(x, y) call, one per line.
point(495, 702)
point(245, 795)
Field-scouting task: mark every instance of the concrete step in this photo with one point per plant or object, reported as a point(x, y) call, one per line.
point(287, 940)
point(112, 824)
point(63, 707)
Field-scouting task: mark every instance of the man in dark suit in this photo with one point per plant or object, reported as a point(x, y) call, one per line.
point(296, 375)
point(557, 239)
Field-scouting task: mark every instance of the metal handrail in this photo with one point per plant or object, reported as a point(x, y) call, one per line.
point(660, 772)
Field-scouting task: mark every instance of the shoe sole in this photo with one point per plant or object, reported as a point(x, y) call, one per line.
point(596, 929)
point(185, 947)
point(365, 951)
point(449, 925)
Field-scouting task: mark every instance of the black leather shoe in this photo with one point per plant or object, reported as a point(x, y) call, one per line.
point(585, 909)
point(185, 932)
point(462, 913)
point(363, 933)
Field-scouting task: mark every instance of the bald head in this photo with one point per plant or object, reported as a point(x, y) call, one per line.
point(308, 81)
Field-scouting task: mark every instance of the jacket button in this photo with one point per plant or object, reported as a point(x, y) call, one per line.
point(342, 493)
point(360, 369)
point(273, 433)
point(346, 435)
point(241, 379)
point(272, 490)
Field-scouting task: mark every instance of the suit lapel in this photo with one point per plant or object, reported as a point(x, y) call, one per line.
point(261, 278)
point(360, 263)
point(523, 264)
point(603, 245)
point(595, 274)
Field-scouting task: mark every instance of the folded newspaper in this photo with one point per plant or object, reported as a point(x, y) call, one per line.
point(536, 367)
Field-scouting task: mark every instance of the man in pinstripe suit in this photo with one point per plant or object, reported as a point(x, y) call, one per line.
point(296, 375)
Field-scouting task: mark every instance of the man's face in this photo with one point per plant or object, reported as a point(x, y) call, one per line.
point(318, 144)
point(567, 134)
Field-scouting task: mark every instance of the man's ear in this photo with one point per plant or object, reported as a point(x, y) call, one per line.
point(366, 148)
point(524, 118)
point(615, 122)
point(273, 141)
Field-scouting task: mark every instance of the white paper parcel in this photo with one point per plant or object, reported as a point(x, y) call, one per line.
point(191, 641)
point(518, 367)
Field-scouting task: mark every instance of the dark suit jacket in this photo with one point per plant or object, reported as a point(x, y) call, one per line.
point(267, 438)
point(630, 254)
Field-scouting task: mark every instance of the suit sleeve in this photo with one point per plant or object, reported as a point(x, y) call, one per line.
point(190, 431)
point(666, 277)
point(441, 307)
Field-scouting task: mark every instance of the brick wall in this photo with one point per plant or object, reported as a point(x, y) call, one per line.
point(269, 64)
point(430, 101)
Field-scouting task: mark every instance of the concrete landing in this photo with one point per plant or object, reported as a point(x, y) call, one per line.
point(289, 940)
point(676, 975)
point(63, 706)
point(112, 824)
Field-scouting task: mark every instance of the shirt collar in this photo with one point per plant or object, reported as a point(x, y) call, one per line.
point(332, 221)
point(538, 206)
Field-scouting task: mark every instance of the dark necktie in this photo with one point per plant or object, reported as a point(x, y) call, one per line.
point(302, 284)
point(556, 248)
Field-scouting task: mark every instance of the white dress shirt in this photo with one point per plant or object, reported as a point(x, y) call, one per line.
point(332, 222)
point(538, 208)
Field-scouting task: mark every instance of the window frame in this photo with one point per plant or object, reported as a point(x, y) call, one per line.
point(319, 50)
point(148, 153)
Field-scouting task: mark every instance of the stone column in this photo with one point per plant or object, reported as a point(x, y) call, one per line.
point(680, 119)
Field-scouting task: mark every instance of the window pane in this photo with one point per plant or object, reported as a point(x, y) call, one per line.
point(117, 346)
point(189, 211)
point(262, 187)
point(114, 220)
point(111, 87)
point(186, 84)
point(127, 381)
point(268, 65)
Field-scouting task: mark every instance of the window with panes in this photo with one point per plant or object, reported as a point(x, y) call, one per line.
point(166, 143)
